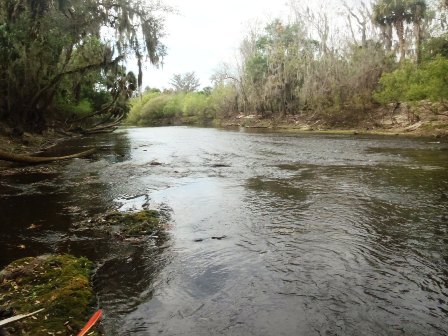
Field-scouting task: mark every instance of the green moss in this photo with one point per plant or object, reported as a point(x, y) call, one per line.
point(144, 222)
point(58, 283)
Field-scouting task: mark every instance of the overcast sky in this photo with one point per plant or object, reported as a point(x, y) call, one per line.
point(206, 33)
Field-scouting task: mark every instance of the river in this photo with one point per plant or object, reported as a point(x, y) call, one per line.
point(270, 233)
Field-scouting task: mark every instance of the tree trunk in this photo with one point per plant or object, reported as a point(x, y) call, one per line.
point(418, 42)
point(6, 156)
point(399, 27)
point(387, 33)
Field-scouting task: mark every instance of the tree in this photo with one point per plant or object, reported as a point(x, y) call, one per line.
point(46, 43)
point(417, 15)
point(362, 16)
point(388, 13)
point(397, 13)
point(187, 82)
point(384, 21)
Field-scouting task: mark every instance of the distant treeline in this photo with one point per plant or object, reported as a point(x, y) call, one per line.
point(63, 63)
point(323, 65)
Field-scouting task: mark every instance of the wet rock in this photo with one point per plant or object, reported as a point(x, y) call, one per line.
point(124, 226)
point(220, 165)
point(58, 283)
point(219, 237)
point(198, 240)
point(145, 222)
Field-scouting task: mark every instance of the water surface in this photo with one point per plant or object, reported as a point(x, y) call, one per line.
point(271, 233)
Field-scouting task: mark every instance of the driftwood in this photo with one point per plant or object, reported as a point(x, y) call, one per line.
point(102, 127)
point(18, 317)
point(6, 156)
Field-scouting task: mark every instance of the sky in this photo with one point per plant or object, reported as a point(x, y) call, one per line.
point(206, 33)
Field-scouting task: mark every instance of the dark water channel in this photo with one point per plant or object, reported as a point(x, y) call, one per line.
point(318, 234)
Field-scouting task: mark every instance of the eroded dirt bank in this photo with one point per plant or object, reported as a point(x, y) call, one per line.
point(422, 119)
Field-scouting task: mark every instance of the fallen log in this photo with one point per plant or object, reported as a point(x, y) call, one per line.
point(6, 156)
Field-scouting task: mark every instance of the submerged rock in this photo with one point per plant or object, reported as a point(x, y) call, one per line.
point(58, 283)
point(130, 226)
point(141, 223)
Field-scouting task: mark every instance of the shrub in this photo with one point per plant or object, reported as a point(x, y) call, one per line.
point(412, 83)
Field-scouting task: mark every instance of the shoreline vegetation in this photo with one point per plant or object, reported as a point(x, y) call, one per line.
point(382, 121)
point(371, 68)
point(380, 67)
point(418, 118)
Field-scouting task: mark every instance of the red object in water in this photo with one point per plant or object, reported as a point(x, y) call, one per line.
point(91, 322)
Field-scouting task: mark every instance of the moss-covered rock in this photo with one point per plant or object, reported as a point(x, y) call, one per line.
point(58, 283)
point(145, 222)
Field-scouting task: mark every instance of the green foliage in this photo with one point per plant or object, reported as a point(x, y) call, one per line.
point(436, 46)
point(195, 105)
point(197, 108)
point(222, 100)
point(152, 113)
point(54, 51)
point(435, 79)
point(395, 85)
point(412, 83)
point(257, 67)
point(286, 72)
point(81, 109)
point(174, 105)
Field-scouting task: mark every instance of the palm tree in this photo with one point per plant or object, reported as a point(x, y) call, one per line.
point(394, 13)
point(382, 17)
point(417, 14)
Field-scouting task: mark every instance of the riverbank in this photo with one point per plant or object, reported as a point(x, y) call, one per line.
point(424, 119)
point(28, 143)
point(421, 119)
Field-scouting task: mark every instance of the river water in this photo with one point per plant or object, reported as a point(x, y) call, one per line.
point(270, 233)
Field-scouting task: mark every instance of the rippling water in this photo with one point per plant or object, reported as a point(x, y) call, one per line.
point(272, 233)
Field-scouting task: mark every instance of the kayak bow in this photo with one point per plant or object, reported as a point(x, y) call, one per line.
point(91, 322)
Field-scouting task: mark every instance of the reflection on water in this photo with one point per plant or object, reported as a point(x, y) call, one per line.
point(272, 233)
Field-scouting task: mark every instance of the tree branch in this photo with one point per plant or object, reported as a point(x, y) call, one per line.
point(59, 76)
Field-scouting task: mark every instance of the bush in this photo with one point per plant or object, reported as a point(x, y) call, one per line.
point(152, 113)
point(137, 104)
point(395, 85)
point(412, 83)
point(155, 109)
point(81, 109)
